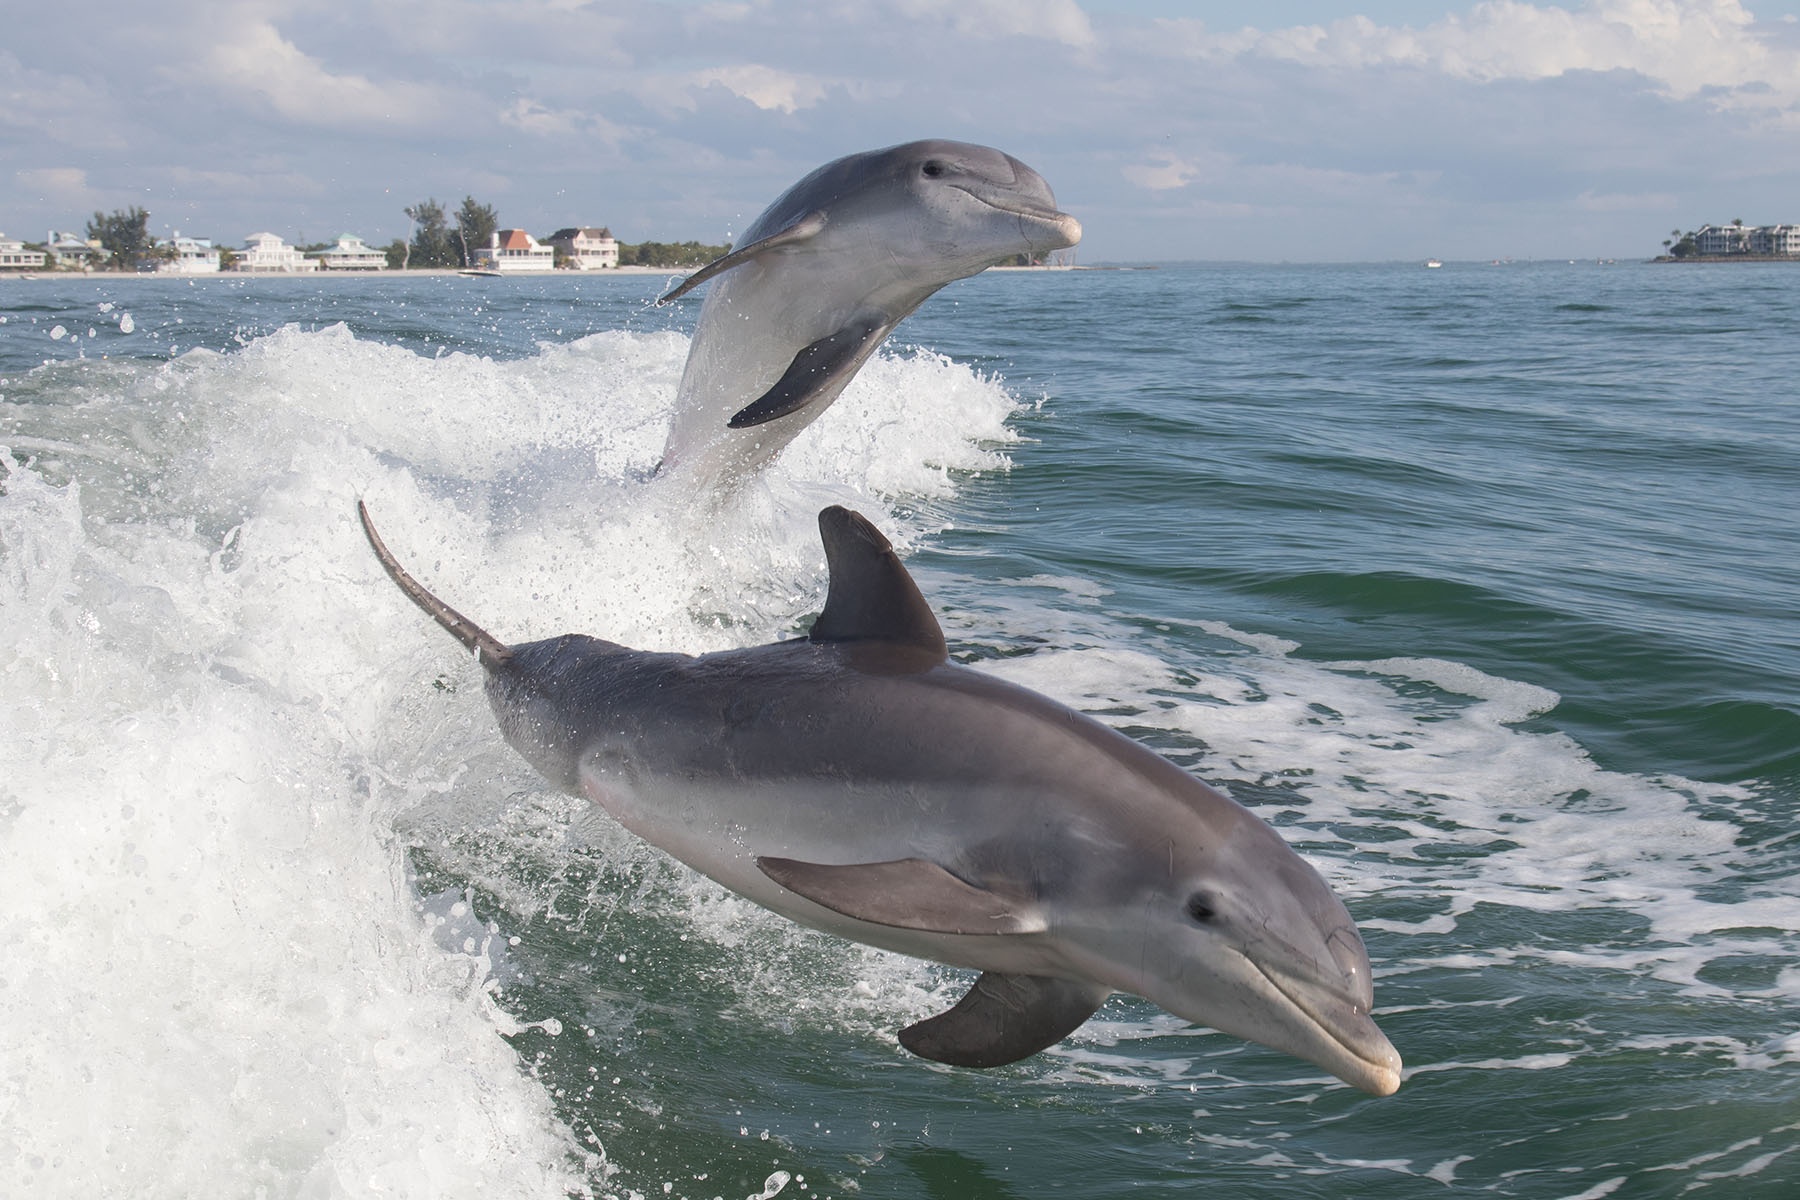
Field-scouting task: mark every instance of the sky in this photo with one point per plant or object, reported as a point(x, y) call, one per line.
point(1273, 130)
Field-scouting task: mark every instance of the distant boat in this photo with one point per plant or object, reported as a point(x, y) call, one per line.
point(1433, 263)
point(477, 271)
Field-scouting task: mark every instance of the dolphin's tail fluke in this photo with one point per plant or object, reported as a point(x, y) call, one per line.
point(492, 652)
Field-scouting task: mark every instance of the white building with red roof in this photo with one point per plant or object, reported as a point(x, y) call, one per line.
point(514, 250)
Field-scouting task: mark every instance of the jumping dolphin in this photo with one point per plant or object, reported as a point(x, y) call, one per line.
point(857, 781)
point(826, 272)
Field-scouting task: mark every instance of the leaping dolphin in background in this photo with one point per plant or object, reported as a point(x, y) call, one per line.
point(857, 781)
point(826, 272)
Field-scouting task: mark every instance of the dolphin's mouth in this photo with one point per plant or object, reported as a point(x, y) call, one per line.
point(1368, 1060)
point(1054, 221)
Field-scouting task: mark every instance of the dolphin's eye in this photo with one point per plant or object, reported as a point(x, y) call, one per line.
point(933, 168)
point(1200, 908)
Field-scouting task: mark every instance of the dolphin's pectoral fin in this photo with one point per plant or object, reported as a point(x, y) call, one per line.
point(1005, 1018)
point(803, 229)
point(908, 893)
point(816, 370)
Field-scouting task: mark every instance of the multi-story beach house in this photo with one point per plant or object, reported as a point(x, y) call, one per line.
point(352, 254)
point(177, 255)
point(586, 249)
point(15, 257)
point(514, 250)
point(1776, 239)
point(265, 253)
point(1724, 240)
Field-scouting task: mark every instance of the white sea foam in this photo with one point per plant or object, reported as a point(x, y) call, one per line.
point(216, 980)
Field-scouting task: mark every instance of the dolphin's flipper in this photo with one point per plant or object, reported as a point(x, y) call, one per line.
point(908, 893)
point(871, 597)
point(824, 365)
point(1005, 1018)
point(806, 227)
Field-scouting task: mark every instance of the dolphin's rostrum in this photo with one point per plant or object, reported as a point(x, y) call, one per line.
point(825, 273)
point(858, 781)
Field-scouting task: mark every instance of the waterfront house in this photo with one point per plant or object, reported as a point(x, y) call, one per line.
point(352, 254)
point(179, 255)
point(514, 250)
point(72, 252)
point(15, 257)
point(1722, 241)
point(1776, 239)
point(586, 249)
point(267, 254)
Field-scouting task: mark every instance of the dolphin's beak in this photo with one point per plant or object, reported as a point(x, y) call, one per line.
point(1029, 198)
point(1046, 229)
point(1061, 232)
point(1337, 1034)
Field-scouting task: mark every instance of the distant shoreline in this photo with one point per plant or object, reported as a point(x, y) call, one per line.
point(384, 273)
point(1727, 258)
point(428, 272)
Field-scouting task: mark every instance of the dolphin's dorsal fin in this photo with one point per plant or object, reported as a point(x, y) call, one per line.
point(1005, 1018)
point(802, 230)
point(907, 893)
point(871, 598)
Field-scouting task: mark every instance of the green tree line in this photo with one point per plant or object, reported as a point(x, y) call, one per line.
point(669, 254)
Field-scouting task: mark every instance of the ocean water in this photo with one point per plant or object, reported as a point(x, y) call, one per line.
point(1480, 583)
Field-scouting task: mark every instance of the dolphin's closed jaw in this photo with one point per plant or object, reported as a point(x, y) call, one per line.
point(1044, 229)
point(1028, 195)
point(1345, 1041)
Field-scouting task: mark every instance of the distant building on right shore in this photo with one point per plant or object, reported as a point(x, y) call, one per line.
point(1738, 240)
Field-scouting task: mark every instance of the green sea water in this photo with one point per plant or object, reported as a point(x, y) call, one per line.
point(1479, 583)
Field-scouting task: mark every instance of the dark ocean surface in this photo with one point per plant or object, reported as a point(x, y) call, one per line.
point(1482, 584)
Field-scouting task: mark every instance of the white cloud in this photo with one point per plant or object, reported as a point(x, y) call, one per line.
point(254, 59)
point(538, 119)
point(765, 87)
point(1052, 20)
point(1607, 202)
point(1686, 46)
point(57, 185)
point(1164, 173)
